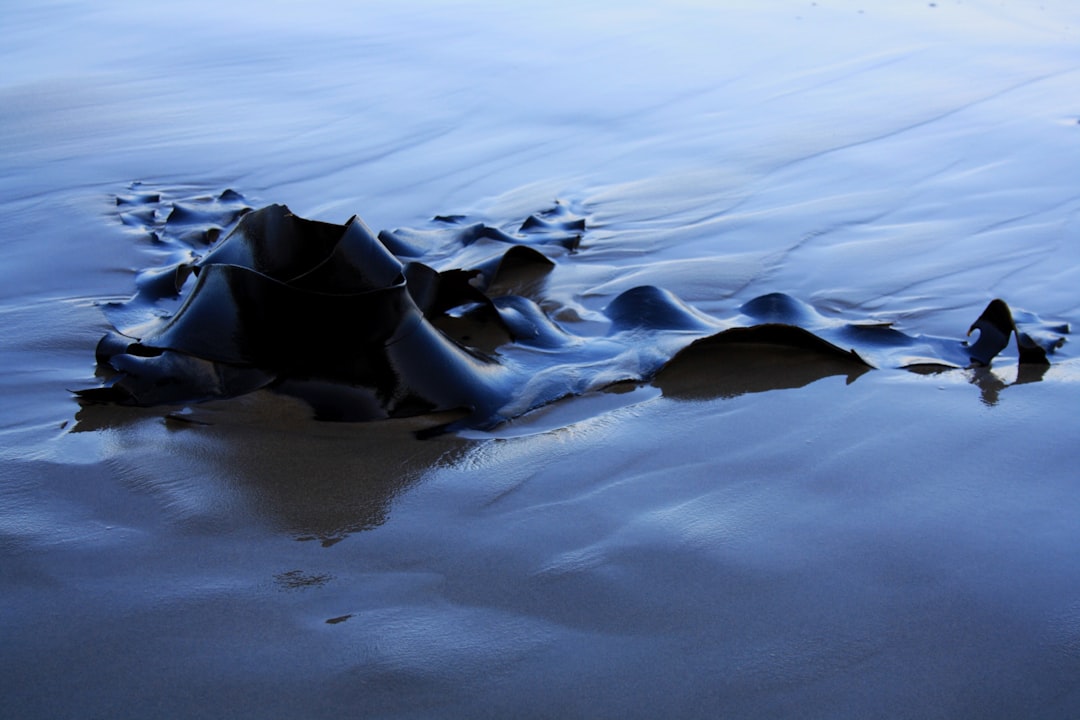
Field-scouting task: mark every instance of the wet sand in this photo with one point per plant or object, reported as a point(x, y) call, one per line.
point(893, 545)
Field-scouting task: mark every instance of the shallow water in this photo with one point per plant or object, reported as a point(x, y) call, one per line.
point(903, 545)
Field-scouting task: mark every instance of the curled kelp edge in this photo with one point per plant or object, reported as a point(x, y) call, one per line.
point(362, 326)
point(299, 305)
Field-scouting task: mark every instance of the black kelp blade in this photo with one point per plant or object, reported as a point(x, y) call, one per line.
point(170, 377)
point(650, 307)
point(455, 319)
point(358, 263)
point(754, 359)
point(239, 316)
point(276, 243)
point(995, 327)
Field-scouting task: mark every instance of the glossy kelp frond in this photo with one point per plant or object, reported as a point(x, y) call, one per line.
point(363, 326)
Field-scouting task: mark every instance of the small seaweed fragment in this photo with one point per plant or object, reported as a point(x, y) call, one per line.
point(996, 326)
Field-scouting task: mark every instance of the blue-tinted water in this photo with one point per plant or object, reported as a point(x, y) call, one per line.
point(903, 546)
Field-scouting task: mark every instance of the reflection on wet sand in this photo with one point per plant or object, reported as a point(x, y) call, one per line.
point(989, 381)
point(991, 385)
point(312, 480)
point(321, 481)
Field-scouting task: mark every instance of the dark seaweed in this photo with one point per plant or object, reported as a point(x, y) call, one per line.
point(362, 326)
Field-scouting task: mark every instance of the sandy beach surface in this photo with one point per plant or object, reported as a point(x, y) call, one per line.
point(777, 544)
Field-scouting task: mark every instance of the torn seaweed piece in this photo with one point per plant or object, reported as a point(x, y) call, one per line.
point(995, 327)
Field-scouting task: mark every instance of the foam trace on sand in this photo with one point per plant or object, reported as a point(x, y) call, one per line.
point(364, 326)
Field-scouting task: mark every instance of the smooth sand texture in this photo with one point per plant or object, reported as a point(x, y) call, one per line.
point(902, 545)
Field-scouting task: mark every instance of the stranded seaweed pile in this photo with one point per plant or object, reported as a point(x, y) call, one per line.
point(363, 326)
